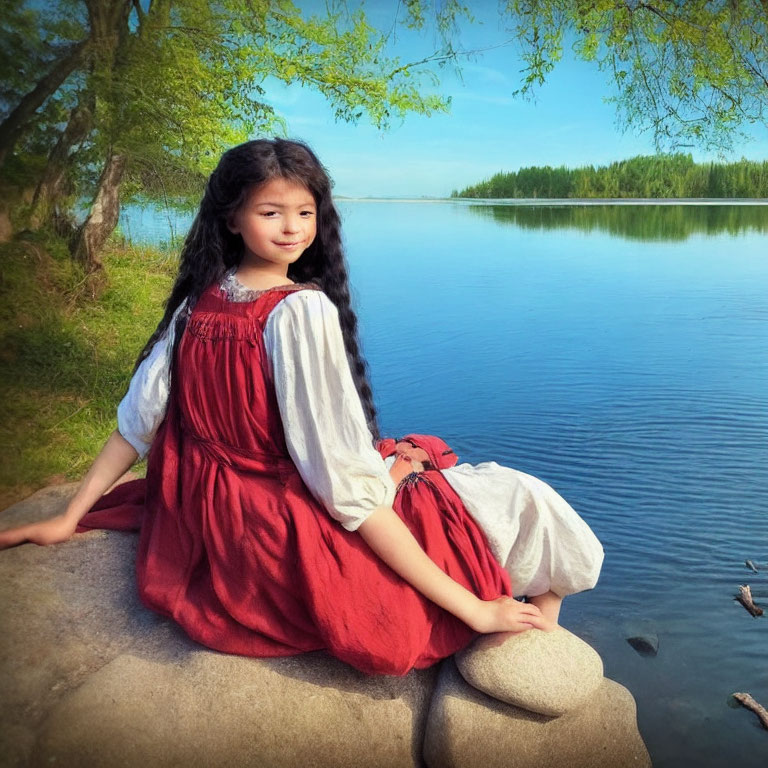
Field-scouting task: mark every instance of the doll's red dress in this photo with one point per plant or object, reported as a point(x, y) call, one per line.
point(236, 549)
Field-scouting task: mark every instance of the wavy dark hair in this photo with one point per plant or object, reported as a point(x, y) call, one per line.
point(210, 249)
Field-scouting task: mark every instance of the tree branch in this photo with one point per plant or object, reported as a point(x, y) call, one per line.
point(668, 19)
point(13, 125)
point(445, 57)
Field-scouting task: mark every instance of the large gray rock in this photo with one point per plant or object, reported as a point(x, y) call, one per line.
point(89, 677)
point(217, 710)
point(546, 672)
point(467, 728)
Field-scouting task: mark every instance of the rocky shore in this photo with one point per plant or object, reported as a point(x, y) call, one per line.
point(92, 678)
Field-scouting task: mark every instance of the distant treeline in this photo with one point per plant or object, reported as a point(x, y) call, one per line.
point(673, 175)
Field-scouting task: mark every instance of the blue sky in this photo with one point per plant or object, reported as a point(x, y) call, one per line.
point(487, 130)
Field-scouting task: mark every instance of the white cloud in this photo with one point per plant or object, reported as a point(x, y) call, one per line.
point(486, 74)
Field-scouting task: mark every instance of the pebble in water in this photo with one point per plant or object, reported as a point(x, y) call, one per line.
point(645, 645)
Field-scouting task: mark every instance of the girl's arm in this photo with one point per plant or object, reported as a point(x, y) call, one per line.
point(389, 537)
point(114, 460)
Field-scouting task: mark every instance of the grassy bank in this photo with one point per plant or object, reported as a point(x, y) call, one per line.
point(67, 357)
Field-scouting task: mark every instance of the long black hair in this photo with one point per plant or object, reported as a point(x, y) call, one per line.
point(210, 249)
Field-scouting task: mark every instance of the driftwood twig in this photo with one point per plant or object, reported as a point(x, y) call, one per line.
point(746, 700)
point(745, 598)
point(750, 565)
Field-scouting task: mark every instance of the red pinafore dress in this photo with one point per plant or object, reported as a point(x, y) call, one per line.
point(236, 549)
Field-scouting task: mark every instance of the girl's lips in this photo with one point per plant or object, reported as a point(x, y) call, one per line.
point(290, 245)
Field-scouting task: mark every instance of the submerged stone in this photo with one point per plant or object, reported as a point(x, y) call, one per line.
point(645, 645)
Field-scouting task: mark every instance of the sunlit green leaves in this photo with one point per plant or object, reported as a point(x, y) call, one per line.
point(696, 69)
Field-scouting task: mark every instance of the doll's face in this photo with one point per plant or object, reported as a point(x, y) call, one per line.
point(411, 452)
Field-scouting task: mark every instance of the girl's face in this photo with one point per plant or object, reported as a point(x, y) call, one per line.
point(277, 222)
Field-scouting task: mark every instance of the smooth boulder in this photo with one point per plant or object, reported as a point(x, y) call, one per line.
point(212, 709)
point(467, 728)
point(549, 673)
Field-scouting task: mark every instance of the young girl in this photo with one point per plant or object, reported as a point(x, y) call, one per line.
point(271, 522)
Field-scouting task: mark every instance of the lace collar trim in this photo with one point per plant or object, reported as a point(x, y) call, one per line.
point(236, 291)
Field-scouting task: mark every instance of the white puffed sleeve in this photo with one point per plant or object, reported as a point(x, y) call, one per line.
point(142, 409)
point(325, 428)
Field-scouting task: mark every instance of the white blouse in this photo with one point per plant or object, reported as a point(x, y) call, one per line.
point(532, 531)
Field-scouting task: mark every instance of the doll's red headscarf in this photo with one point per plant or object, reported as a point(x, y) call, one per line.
point(440, 453)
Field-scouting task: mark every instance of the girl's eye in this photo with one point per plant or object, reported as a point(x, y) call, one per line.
point(307, 213)
point(269, 213)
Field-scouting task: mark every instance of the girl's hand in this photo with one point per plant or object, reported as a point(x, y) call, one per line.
point(505, 614)
point(114, 459)
point(52, 531)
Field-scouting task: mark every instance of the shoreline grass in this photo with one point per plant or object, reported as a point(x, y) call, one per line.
point(68, 357)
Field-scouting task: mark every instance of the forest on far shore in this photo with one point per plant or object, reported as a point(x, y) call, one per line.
point(661, 175)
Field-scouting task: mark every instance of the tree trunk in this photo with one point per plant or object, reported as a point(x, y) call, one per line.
point(102, 219)
point(50, 188)
point(13, 125)
point(108, 21)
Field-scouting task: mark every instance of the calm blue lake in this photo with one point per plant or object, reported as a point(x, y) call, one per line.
point(621, 354)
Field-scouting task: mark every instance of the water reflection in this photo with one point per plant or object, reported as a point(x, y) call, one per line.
point(633, 222)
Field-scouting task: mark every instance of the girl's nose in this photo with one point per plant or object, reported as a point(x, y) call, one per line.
point(291, 223)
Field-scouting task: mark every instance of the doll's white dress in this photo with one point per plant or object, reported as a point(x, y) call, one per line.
point(532, 531)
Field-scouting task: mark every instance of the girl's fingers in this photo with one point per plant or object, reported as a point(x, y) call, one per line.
point(51, 531)
point(539, 622)
point(527, 608)
point(544, 623)
point(525, 624)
